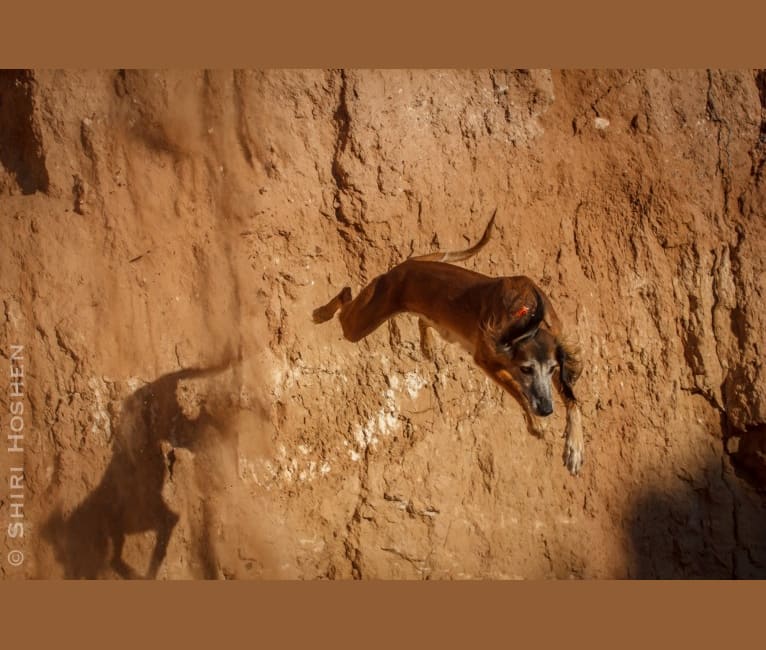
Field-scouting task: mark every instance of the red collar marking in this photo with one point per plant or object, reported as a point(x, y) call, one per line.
point(522, 312)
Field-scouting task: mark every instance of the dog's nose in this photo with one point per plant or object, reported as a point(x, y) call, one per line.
point(545, 409)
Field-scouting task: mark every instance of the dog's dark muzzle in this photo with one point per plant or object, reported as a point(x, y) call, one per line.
point(544, 408)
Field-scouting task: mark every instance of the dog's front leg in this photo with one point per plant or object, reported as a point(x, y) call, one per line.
point(533, 422)
point(426, 340)
point(504, 378)
point(574, 445)
point(506, 381)
point(570, 368)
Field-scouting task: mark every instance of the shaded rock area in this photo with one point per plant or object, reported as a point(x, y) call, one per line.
point(157, 223)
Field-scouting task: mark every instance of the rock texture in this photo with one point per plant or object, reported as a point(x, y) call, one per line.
point(159, 221)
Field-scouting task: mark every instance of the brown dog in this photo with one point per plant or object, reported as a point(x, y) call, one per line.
point(507, 324)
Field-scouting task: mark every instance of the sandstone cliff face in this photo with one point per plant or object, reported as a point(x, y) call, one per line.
point(159, 221)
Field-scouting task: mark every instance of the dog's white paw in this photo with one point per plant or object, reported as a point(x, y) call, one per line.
point(574, 455)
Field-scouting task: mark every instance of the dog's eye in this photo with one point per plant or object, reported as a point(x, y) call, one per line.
point(527, 370)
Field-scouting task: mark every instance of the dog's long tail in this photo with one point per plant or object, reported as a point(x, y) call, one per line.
point(457, 256)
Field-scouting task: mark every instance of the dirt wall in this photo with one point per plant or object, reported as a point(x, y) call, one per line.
point(157, 222)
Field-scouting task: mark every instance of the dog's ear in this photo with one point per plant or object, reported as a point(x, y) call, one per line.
point(524, 325)
point(570, 368)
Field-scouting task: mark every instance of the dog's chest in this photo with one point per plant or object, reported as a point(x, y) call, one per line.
point(452, 337)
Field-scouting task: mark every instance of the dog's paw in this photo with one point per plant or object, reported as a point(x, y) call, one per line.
point(574, 455)
point(322, 314)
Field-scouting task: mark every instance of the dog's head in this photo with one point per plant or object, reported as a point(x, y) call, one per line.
point(529, 356)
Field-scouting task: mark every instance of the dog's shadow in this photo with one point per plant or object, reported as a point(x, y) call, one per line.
point(128, 499)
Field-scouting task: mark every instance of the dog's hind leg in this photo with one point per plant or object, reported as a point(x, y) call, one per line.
point(374, 305)
point(326, 312)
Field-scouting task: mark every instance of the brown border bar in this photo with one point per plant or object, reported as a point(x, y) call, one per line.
point(351, 33)
point(519, 614)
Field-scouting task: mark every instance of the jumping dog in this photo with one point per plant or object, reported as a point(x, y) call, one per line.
point(507, 324)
